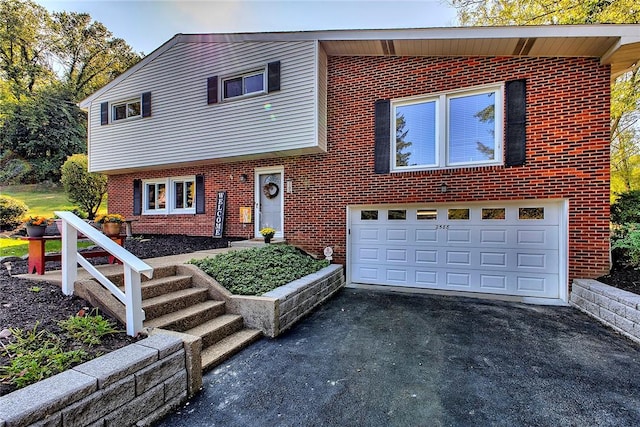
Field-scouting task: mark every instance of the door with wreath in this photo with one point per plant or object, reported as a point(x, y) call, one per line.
point(269, 201)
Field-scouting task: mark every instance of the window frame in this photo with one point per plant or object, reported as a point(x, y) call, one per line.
point(244, 76)
point(173, 196)
point(442, 125)
point(170, 195)
point(125, 103)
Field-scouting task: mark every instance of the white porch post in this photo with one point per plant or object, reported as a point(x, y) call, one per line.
point(133, 295)
point(69, 257)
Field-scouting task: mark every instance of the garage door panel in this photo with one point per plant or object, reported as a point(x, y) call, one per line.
point(397, 235)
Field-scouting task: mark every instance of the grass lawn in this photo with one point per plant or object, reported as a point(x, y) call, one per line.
point(17, 247)
point(43, 199)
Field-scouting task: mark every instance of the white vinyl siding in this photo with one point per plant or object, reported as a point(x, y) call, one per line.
point(185, 129)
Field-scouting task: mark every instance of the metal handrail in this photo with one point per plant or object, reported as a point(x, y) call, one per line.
point(133, 267)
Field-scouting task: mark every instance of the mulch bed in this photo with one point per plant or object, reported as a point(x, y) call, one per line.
point(23, 303)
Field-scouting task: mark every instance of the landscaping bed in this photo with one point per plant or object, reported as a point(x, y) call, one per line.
point(25, 302)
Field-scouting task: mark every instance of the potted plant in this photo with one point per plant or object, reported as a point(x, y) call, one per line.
point(111, 223)
point(36, 225)
point(267, 233)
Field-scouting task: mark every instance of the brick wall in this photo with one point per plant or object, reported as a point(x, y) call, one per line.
point(567, 155)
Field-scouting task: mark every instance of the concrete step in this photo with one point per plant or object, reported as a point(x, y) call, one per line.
point(173, 301)
point(156, 287)
point(217, 329)
point(227, 347)
point(189, 317)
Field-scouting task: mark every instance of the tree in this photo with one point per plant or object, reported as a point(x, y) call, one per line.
point(625, 92)
point(40, 124)
point(402, 158)
point(43, 130)
point(23, 43)
point(85, 189)
point(88, 53)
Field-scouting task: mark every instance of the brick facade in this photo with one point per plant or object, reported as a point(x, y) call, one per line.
point(567, 155)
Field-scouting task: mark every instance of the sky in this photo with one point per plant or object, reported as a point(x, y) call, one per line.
point(146, 24)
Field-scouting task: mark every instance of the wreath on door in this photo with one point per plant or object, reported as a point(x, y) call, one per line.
point(270, 188)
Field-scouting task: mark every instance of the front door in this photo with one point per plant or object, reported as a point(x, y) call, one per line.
point(269, 200)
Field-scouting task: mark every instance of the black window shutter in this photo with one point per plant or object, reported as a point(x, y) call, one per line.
point(146, 104)
point(212, 90)
point(104, 113)
point(382, 135)
point(199, 194)
point(137, 197)
point(516, 123)
point(273, 77)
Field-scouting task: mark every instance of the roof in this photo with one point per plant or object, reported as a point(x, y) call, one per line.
point(617, 45)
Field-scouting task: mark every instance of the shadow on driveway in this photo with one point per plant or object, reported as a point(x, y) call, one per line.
point(383, 359)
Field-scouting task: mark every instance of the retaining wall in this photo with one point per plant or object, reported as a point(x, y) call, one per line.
point(276, 311)
point(614, 307)
point(135, 385)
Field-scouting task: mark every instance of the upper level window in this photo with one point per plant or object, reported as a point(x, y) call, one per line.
point(448, 130)
point(126, 109)
point(245, 84)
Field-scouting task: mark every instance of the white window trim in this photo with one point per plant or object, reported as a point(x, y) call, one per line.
point(145, 197)
point(253, 72)
point(172, 196)
point(113, 105)
point(442, 128)
point(169, 194)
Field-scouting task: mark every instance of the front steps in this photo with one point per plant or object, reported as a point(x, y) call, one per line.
point(173, 301)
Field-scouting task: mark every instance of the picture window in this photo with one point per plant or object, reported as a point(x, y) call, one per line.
point(448, 130)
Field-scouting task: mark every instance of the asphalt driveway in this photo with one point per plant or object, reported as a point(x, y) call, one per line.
point(383, 359)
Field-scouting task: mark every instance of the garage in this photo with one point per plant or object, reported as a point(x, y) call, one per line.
point(500, 248)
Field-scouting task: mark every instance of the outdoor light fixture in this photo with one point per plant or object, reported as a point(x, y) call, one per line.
point(443, 187)
point(243, 178)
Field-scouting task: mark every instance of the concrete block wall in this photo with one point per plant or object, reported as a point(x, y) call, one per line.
point(299, 297)
point(614, 307)
point(135, 385)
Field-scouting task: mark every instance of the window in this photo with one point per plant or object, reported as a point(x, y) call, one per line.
point(126, 110)
point(531, 213)
point(457, 214)
point(169, 196)
point(494, 213)
point(396, 214)
point(369, 215)
point(448, 130)
point(243, 85)
point(427, 214)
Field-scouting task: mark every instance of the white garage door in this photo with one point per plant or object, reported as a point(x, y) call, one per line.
point(496, 247)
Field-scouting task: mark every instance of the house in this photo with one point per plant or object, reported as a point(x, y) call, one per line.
point(451, 159)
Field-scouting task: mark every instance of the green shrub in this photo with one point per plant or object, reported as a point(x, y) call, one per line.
point(85, 189)
point(627, 240)
point(626, 209)
point(36, 355)
point(88, 328)
point(259, 270)
point(11, 212)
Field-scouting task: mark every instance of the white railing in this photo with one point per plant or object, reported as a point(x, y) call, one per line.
point(133, 267)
